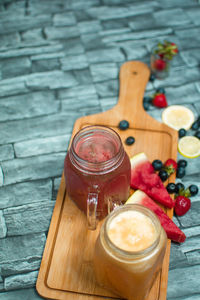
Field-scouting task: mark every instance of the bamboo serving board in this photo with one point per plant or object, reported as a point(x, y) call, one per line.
point(66, 270)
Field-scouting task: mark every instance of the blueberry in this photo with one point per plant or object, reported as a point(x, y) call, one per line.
point(172, 188)
point(180, 186)
point(193, 190)
point(195, 125)
point(147, 99)
point(163, 175)
point(180, 172)
point(157, 164)
point(181, 132)
point(130, 140)
point(197, 134)
point(123, 125)
point(160, 90)
point(182, 163)
point(146, 105)
point(152, 77)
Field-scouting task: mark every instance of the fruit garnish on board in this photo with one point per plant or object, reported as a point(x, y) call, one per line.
point(178, 117)
point(144, 177)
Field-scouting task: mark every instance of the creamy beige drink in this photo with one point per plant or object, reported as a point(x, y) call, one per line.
point(129, 251)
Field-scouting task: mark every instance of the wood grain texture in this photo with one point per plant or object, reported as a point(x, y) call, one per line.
point(66, 270)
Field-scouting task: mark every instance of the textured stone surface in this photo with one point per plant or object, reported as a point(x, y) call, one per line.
point(105, 55)
point(1, 177)
point(53, 33)
point(21, 281)
point(32, 168)
point(184, 277)
point(40, 49)
point(29, 218)
point(3, 228)
point(28, 105)
point(60, 60)
point(29, 294)
point(74, 62)
point(42, 146)
point(21, 130)
point(64, 19)
point(14, 67)
point(26, 192)
point(21, 248)
point(6, 152)
point(104, 71)
point(78, 91)
point(51, 80)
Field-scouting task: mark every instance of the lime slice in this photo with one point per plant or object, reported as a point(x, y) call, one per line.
point(177, 117)
point(189, 146)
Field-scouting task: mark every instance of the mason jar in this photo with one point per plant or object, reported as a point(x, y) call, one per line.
point(97, 172)
point(129, 251)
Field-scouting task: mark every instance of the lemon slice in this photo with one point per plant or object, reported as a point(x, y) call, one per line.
point(189, 146)
point(177, 117)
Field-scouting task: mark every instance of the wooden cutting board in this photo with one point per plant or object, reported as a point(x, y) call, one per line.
point(66, 270)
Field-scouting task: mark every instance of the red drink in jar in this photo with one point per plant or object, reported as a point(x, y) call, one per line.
point(97, 171)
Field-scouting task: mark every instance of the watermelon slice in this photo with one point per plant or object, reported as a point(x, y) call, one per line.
point(143, 177)
point(173, 232)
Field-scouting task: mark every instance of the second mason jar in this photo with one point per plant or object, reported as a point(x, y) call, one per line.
point(129, 251)
point(97, 172)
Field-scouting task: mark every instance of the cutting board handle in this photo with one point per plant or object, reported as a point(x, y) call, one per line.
point(134, 76)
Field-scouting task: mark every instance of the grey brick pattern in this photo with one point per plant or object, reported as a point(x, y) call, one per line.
point(60, 60)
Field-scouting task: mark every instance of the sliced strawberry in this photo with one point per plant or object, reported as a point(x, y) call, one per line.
point(160, 100)
point(182, 205)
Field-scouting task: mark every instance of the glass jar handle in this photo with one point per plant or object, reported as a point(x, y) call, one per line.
point(92, 202)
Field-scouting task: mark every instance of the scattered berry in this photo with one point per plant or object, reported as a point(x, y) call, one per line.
point(157, 164)
point(180, 187)
point(182, 205)
point(152, 77)
point(147, 99)
point(182, 163)
point(170, 166)
point(160, 90)
point(195, 125)
point(197, 134)
point(163, 175)
point(181, 132)
point(146, 105)
point(123, 125)
point(180, 172)
point(130, 140)
point(160, 100)
point(172, 188)
point(193, 189)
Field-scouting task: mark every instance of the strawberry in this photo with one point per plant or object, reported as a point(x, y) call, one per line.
point(182, 205)
point(160, 100)
point(174, 48)
point(159, 64)
point(170, 166)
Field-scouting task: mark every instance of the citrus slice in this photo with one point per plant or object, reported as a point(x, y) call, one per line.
point(189, 146)
point(177, 117)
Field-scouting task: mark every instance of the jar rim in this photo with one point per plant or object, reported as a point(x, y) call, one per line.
point(94, 166)
point(131, 207)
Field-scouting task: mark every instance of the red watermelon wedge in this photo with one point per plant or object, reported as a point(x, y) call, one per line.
point(173, 232)
point(143, 177)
